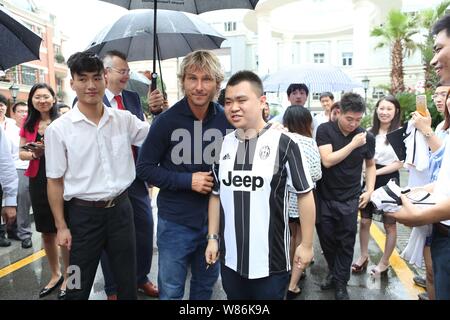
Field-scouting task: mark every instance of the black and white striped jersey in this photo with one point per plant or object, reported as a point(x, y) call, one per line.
point(251, 180)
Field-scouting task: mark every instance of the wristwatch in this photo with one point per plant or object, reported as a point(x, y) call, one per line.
point(212, 237)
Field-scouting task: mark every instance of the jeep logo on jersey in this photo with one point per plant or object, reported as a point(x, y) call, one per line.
point(243, 182)
point(264, 152)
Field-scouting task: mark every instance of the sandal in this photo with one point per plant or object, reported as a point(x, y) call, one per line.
point(356, 268)
point(291, 295)
point(377, 272)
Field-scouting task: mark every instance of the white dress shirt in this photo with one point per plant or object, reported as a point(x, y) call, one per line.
point(110, 96)
point(8, 173)
point(96, 162)
point(13, 134)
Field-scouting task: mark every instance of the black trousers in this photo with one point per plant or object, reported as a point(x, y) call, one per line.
point(338, 227)
point(94, 230)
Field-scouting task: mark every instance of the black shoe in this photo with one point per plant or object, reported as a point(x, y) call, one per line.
point(13, 236)
point(328, 283)
point(27, 243)
point(4, 242)
point(46, 291)
point(291, 295)
point(341, 293)
point(62, 295)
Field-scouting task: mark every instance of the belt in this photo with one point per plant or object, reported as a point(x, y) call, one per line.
point(102, 203)
point(442, 229)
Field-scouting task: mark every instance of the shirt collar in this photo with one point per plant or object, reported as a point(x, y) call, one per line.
point(76, 115)
point(110, 96)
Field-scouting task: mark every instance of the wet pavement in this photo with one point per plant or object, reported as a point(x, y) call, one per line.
point(28, 277)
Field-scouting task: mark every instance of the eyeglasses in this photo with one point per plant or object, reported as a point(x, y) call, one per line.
point(439, 94)
point(124, 72)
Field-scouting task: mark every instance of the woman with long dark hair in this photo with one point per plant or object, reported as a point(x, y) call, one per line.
point(41, 112)
point(386, 118)
point(298, 120)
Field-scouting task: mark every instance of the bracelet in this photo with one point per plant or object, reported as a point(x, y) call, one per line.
point(429, 134)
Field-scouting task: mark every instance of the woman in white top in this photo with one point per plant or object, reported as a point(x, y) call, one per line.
point(386, 118)
point(298, 120)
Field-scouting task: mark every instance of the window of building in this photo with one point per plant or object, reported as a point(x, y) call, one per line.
point(29, 75)
point(230, 26)
point(319, 57)
point(378, 93)
point(316, 96)
point(56, 48)
point(347, 58)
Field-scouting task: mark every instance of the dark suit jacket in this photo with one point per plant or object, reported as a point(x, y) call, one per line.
point(131, 101)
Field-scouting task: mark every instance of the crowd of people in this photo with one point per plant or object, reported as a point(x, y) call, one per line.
point(239, 195)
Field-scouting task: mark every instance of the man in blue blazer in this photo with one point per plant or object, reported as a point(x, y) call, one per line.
point(117, 74)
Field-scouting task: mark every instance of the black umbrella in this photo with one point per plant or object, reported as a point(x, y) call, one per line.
point(192, 6)
point(19, 44)
point(178, 34)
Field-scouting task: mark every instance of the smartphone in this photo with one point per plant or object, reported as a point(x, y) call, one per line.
point(421, 104)
point(26, 147)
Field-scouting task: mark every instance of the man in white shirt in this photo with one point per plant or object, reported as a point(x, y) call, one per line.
point(8, 182)
point(297, 95)
point(90, 165)
point(21, 230)
point(326, 100)
point(247, 207)
point(440, 243)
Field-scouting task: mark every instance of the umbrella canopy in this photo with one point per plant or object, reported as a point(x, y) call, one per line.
point(192, 6)
point(19, 44)
point(138, 83)
point(178, 33)
point(318, 78)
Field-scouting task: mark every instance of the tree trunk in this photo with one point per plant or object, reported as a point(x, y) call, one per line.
point(397, 76)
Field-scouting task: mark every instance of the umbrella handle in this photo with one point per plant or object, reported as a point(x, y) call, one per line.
point(154, 81)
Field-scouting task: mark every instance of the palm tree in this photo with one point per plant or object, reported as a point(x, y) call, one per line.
point(396, 34)
point(428, 18)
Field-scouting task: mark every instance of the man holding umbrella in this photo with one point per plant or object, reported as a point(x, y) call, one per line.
point(184, 176)
point(117, 74)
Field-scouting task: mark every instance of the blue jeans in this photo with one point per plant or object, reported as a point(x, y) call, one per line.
point(440, 254)
point(239, 288)
point(179, 247)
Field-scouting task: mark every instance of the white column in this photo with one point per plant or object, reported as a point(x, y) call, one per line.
point(304, 51)
point(266, 49)
point(335, 58)
point(363, 14)
point(286, 58)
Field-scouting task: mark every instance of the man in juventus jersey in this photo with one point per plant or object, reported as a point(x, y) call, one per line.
point(249, 200)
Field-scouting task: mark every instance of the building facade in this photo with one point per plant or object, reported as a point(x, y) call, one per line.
point(51, 68)
point(281, 33)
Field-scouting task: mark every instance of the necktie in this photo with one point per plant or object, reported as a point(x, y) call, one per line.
point(120, 105)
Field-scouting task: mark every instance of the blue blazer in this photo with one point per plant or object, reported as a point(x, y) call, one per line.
point(131, 101)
